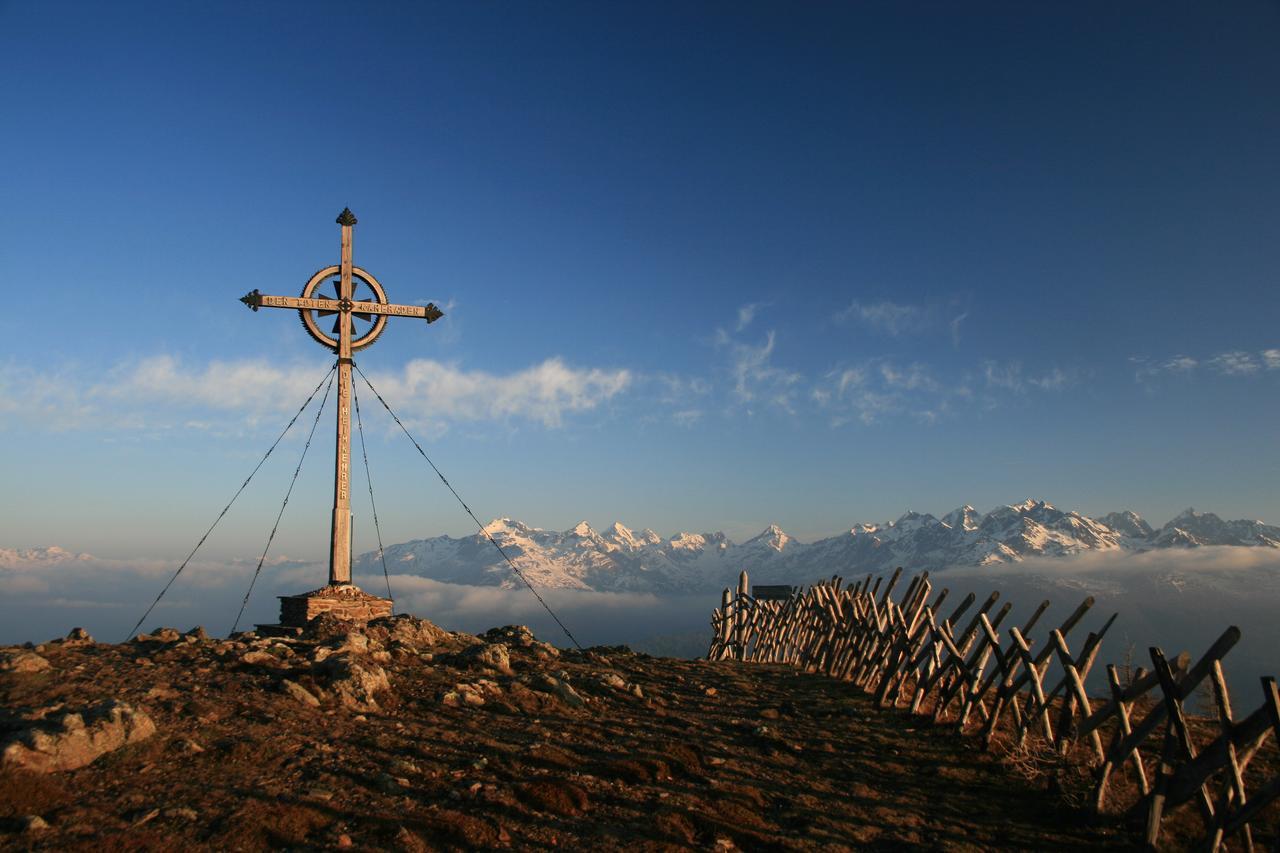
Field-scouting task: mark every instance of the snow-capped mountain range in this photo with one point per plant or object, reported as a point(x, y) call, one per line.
point(619, 559)
point(49, 555)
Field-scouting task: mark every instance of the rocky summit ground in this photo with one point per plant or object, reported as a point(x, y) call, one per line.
point(405, 736)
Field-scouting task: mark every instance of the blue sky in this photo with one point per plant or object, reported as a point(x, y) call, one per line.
point(706, 266)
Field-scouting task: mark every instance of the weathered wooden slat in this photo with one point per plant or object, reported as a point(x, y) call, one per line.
point(1214, 756)
point(1144, 682)
point(1123, 730)
point(1037, 689)
point(1179, 750)
point(1077, 692)
point(1260, 799)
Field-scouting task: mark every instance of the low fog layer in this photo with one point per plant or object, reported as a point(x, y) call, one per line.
point(1177, 599)
point(43, 595)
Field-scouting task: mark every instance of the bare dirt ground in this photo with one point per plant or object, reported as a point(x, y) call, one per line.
point(467, 745)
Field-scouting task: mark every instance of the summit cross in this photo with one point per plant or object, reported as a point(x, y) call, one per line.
point(343, 338)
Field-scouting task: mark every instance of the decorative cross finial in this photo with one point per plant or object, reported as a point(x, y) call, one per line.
point(346, 217)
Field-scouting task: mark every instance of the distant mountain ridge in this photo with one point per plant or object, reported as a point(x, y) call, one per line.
point(623, 560)
point(49, 555)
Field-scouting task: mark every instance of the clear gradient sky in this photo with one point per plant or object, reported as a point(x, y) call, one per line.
point(706, 266)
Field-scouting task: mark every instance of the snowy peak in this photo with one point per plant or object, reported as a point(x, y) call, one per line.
point(964, 518)
point(1128, 523)
point(1192, 528)
point(506, 526)
point(773, 538)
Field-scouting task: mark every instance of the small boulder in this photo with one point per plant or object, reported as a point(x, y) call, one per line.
point(185, 746)
point(75, 740)
point(520, 637)
point(297, 691)
point(406, 630)
point(78, 637)
point(488, 656)
point(473, 694)
point(559, 688)
point(258, 657)
point(356, 683)
point(22, 662)
point(34, 823)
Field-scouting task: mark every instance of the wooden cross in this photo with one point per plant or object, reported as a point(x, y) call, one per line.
point(344, 340)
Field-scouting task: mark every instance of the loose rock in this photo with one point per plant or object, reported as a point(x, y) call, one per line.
point(74, 740)
point(78, 637)
point(256, 657)
point(355, 683)
point(23, 662)
point(34, 823)
point(407, 631)
point(519, 636)
point(302, 694)
point(488, 656)
point(560, 689)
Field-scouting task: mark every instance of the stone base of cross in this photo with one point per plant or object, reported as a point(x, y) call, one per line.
point(345, 601)
point(357, 296)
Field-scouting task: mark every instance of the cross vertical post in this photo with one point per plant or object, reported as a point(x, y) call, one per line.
point(340, 598)
point(340, 543)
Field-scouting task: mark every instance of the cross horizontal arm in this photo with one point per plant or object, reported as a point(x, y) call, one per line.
point(256, 300)
point(429, 311)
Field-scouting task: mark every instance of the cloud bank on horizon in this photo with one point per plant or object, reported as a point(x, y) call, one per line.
point(1177, 598)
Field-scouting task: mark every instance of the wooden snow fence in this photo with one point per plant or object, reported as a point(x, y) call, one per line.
point(972, 674)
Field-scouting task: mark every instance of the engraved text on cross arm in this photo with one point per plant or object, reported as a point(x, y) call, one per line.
point(379, 308)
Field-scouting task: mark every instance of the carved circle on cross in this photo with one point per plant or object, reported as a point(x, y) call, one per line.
point(319, 329)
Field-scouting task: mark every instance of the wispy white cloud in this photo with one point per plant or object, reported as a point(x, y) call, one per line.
point(852, 377)
point(55, 399)
point(746, 314)
point(880, 389)
point(910, 378)
point(755, 377)
point(1235, 363)
point(544, 393)
point(1004, 375)
point(1054, 380)
point(892, 318)
point(686, 397)
point(954, 325)
point(162, 391)
point(1009, 376)
point(677, 390)
point(1147, 371)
